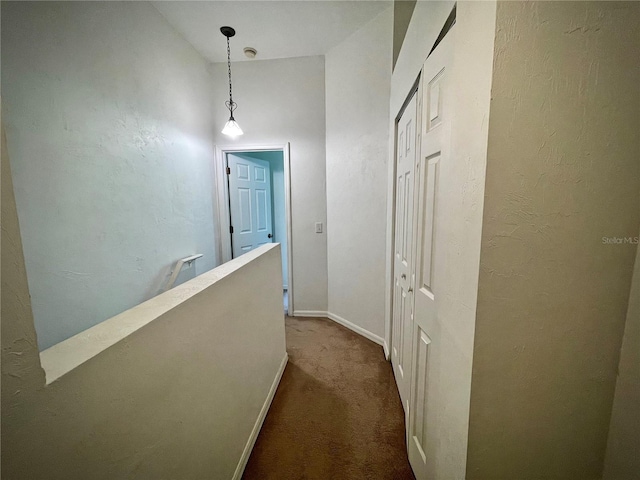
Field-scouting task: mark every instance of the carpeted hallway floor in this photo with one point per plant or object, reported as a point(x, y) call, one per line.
point(336, 414)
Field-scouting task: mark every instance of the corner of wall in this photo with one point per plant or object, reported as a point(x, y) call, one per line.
point(622, 461)
point(356, 167)
point(21, 370)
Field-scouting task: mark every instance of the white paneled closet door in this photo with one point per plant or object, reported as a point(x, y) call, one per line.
point(403, 250)
point(437, 98)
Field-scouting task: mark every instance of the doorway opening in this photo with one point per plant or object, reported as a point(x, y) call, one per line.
point(255, 204)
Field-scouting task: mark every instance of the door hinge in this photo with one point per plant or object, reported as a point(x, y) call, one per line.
point(228, 170)
point(230, 228)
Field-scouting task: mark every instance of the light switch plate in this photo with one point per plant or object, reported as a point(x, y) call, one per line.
point(318, 227)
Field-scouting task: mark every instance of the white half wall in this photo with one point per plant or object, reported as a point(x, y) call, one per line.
point(282, 101)
point(358, 76)
point(182, 395)
point(109, 124)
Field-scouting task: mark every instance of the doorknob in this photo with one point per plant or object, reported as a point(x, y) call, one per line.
point(269, 236)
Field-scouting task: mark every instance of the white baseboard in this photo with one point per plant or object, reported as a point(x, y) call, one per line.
point(353, 327)
point(345, 323)
point(385, 347)
point(258, 425)
point(310, 313)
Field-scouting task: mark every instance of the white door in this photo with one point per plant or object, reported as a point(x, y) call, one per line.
point(434, 145)
point(402, 293)
point(249, 202)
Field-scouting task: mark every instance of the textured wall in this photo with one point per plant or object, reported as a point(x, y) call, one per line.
point(176, 399)
point(562, 173)
point(21, 370)
point(109, 125)
point(282, 101)
point(358, 75)
point(622, 461)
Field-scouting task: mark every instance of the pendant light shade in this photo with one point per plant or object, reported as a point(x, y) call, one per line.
point(231, 128)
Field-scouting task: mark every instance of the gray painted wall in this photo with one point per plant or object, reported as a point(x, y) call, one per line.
point(109, 125)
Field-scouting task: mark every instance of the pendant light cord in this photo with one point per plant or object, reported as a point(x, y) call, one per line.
point(231, 105)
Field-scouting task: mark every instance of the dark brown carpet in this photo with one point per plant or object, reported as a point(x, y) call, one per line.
point(336, 414)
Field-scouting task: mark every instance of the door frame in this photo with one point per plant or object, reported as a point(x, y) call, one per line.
point(391, 212)
point(224, 213)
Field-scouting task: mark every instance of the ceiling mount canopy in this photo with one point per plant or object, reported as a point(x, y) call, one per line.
point(231, 128)
point(228, 31)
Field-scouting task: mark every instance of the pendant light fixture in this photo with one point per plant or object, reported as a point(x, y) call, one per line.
point(231, 128)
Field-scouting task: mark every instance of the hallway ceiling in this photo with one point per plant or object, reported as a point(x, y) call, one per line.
point(276, 29)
